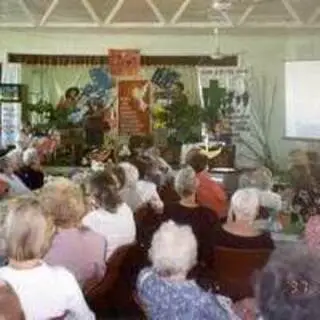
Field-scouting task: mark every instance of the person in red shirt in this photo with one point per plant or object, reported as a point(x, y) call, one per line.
point(209, 192)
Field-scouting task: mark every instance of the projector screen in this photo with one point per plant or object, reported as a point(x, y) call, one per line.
point(302, 86)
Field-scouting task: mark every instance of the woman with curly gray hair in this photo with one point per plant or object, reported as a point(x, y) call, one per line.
point(289, 286)
point(164, 288)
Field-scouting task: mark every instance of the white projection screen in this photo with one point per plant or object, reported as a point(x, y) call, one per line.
point(302, 93)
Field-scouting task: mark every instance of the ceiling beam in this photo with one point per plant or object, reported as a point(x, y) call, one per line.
point(291, 11)
point(91, 11)
point(314, 16)
point(180, 11)
point(156, 11)
point(114, 11)
point(46, 15)
point(27, 11)
point(226, 16)
point(246, 14)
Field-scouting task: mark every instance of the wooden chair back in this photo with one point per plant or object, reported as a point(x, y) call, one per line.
point(147, 222)
point(234, 269)
point(10, 307)
point(95, 289)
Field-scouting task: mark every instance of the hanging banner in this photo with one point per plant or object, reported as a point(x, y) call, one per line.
point(124, 63)
point(134, 107)
point(227, 90)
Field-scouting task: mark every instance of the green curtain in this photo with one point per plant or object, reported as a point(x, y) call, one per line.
point(50, 82)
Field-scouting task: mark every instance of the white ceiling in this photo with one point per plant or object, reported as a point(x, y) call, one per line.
point(169, 15)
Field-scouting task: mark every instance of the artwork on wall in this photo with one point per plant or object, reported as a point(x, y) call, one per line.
point(134, 107)
point(225, 97)
point(124, 63)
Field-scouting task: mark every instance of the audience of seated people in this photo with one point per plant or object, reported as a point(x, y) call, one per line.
point(109, 215)
point(188, 212)
point(62, 237)
point(209, 192)
point(44, 292)
point(163, 288)
point(239, 231)
point(74, 246)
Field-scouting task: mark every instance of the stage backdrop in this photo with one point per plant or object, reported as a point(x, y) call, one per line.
point(232, 85)
point(134, 107)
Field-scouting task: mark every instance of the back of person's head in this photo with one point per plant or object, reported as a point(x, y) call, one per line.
point(64, 202)
point(30, 157)
point(173, 249)
point(262, 179)
point(130, 174)
point(185, 182)
point(145, 166)
point(104, 191)
point(244, 204)
point(197, 160)
point(10, 308)
point(289, 285)
point(27, 230)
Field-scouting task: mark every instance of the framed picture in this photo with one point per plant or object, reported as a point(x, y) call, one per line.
point(10, 92)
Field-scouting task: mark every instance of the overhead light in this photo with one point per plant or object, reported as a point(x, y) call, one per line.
point(221, 5)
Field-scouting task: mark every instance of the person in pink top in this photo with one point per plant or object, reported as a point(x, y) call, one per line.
point(209, 192)
point(312, 233)
point(74, 246)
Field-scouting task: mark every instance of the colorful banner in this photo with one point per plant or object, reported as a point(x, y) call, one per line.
point(10, 123)
point(227, 88)
point(124, 63)
point(134, 107)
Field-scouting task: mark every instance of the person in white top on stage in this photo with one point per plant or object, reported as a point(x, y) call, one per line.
point(44, 292)
point(111, 217)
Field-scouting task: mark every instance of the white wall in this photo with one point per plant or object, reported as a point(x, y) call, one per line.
point(265, 53)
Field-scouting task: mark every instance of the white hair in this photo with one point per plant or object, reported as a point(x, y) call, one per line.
point(15, 156)
point(30, 156)
point(185, 182)
point(262, 179)
point(131, 174)
point(173, 249)
point(245, 204)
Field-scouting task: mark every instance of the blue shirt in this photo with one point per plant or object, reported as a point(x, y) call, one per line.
point(172, 300)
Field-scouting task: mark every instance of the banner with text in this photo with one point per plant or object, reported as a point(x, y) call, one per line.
point(134, 107)
point(228, 87)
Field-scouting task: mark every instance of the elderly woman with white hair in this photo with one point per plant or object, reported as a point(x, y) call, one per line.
point(239, 231)
point(136, 192)
point(31, 172)
point(164, 289)
point(262, 180)
point(187, 211)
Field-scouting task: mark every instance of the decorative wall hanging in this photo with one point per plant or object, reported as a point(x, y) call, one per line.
point(124, 63)
point(134, 107)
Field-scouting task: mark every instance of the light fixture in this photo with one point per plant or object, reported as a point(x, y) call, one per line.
point(221, 5)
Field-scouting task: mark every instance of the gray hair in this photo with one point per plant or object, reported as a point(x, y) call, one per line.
point(262, 179)
point(173, 249)
point(30, 156)
point(289, 285)
point(185, 182)
point(245, 204)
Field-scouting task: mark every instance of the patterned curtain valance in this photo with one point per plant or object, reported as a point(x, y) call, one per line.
point(39, 59)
